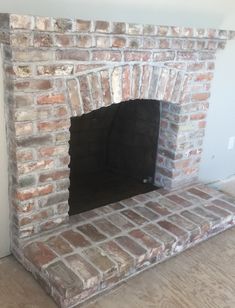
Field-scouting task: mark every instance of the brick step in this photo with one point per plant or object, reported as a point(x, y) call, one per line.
point(105, 246)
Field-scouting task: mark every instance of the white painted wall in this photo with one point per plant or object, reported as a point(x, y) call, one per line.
point(4, 207)
point(218, 162)
point(194, 13)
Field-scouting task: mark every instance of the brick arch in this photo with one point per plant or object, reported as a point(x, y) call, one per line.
point(103, 87)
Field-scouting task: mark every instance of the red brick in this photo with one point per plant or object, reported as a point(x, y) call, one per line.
point(75, 238)
point(89, 214)
point(134, 217)
point(154, 248)
point(96, 91)
point(119, 27)
point(53, 151)
point(53, 223)
point(160, 235)
point(60, 112)
point(34, 166)
point(141, 198)
point(102, 55)
point(24, 207)
point(105, 84)
point(88, 274)
point(136, 75)
point(198, 97)
point(135, 43)
point(33, 85)
point(198, 116)
point(53, 125)
point(171, 206)
point(135, 29)
point(224, 205)
point(83, 25)
point(204, 77)
point(149, 30)
point(129, 202)
point(21, 22)
point(199, 193)
point(120, 221)
point(163, 56)
point(192, 67)
point(101, 261)
point(72, 54)
point(214, 219)
point(64, 280)
point(137, 56)
point(126, 83)
point(164, 44)
point(186, 55)
point(119, 42)
point(203, 223)
point(24, 155)
point(209, 190)
point(116, 206)
point(175, 230)
point(23, 129)
point(84, 41)
point(158, 208)
point(179, 200)
point(65, 40)
point(107, 227)
point(54, 176)
point(33, 192)
point(57, 98)
point(121, 257)
point(43, 40)
point(38, 254)
point(145, 212)
point(176, 31)
point(43, 23)
point(55, 70)
point(60, 246)
point(102, 42)
point(192, 228)
point(102, 26)
point(86, 67)
point(202, 124)
point(218, 211)
point(132, 247)
point(162, 30)
point(64, 161)
point(144, 86)
point(91, 232)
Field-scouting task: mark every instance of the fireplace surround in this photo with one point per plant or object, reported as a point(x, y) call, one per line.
point(57, 69)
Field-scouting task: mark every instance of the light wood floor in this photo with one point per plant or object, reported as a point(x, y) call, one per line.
point(202, 277)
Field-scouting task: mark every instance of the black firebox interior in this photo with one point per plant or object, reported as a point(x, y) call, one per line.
point(113, 154)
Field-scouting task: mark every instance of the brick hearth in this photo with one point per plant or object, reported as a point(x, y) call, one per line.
point(100, 248)
point(55, 69)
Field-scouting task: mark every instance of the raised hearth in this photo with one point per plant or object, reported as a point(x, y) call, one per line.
point(100, 248)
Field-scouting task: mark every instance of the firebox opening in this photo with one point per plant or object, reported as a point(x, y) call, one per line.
point(113, 154)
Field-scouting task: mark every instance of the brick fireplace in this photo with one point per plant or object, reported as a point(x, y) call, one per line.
point(57, 69)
